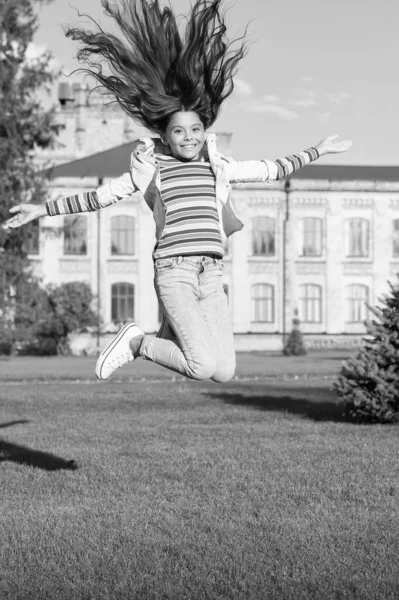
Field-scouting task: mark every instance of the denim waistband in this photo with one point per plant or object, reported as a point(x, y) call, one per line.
point(191, 257)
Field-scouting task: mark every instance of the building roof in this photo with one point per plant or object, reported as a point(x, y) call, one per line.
point(348, 173)
point(109, 163)
point(115, 161)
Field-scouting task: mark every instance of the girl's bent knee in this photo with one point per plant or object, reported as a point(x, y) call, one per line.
point(201, 370)
point(224, 375)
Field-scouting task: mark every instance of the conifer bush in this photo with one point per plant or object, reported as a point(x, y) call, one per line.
point(295, 345)
point(368, 384)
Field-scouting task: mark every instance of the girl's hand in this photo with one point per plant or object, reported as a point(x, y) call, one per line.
point(24, 213)
point(331, 146)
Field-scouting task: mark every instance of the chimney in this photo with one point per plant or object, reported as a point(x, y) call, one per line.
point(65, 93)
point(80, 130)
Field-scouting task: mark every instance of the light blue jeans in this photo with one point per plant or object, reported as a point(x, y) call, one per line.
point(196, 336)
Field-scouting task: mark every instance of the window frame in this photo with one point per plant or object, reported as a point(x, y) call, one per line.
point(258, 230)
point(356, 304)
point(70, 226)
point(395, 254)
point(308, 303)
point(317, 235)
point(119, 298)
point(126, 232)
point(350, 240)
point(269, 308)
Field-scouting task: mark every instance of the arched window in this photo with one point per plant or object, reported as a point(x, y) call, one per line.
point(75, 235)
point(263, 236)
point(357, 297)
point(122, 235)
point(122, 305)
point(357, 237)
point(310, 303)
point(395, 238)
point(31, 244)
point(262, 296)
point(312, 236)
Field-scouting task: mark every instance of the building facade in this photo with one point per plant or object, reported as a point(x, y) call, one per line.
point(322, 245)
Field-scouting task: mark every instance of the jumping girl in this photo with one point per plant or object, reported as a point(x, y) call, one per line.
point(175, 86)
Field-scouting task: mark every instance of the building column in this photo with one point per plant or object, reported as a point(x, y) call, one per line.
point(289, 292)
point(146, 302)
point(382, 249)
point(239, 298)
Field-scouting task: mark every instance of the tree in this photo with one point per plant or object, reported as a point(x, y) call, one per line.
point(294, 345)
point(24, 127)
point(69, 309)
point(368, 384)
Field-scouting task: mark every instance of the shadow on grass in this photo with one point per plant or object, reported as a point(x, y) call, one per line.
point(313, 403)
point(12, 423)
point(33, 458)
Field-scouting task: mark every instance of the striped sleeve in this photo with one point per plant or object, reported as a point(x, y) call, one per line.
point(288, 165)
point(84, 202)
point(111, 192)
point(248, 171)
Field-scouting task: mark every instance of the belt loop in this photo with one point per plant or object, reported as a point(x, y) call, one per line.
point(179, 260)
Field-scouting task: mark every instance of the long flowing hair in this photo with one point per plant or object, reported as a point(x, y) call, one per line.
point(153, 70)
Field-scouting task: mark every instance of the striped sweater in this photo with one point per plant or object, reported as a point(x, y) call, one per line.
point(191, 220)
point(142, 177)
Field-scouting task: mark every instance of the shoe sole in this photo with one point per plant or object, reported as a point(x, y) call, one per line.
point(105, 353)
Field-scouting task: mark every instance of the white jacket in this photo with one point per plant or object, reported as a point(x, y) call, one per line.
point(144, 176)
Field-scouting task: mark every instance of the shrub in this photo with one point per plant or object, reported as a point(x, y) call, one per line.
point(368, 385)
point(70, 310)
point(295, 345)
point(41, 320)
point(41, 346)
point(5, 346)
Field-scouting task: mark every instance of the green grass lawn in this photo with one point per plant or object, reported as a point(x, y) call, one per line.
point(254, 489)
point(317, 364)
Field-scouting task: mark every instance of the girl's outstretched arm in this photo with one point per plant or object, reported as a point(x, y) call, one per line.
point(24, 213)
point(290, 164)
point(104, 196)
point(268, 170)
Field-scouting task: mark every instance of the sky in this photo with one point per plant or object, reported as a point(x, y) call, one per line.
point(314, 68)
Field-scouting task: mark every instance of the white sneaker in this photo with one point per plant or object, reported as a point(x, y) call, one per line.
point(117, 353)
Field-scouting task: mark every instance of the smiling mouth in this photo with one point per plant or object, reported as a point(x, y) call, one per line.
point(189, 146)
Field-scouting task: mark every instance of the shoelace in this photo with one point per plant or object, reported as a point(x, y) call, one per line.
point(121, 360)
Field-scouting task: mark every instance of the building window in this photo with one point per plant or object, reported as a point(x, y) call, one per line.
point(357, 297)
point(310, 298)
point(263, 236)
point(312, 237)
point(122, 235)
point(122, 296)
point(75, 235)
point(262, 296)
point(395, 238)
point(357, 236)
point(31, 244)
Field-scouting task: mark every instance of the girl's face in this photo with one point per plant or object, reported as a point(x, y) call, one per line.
point(185, 135)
